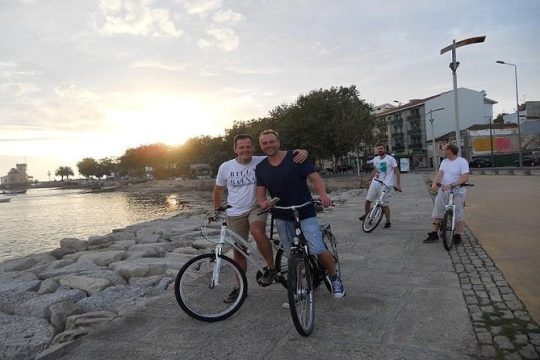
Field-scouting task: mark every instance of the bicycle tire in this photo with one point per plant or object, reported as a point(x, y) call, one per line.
point(447, 233)
point(196, 296)
point(281, 265)
point(300, 293)
point(330, 243)
point(372, 219)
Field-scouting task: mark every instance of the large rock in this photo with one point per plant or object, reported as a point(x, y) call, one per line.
point(19, 286)
point(100, 241)
point(115, 298)
point(91, 285)
point(74, 244)
point(103, 258)
point(26, 262)
point(78, 268)
point(40, 306)
point(48, 286)
point(147, 235)
point(9, 300)
point(122, 236)
point(60, 312)
point(146, 250)
point(17, 275)
point(90, 319)
point(23, 337)
point(122, 245)
point(148, 266)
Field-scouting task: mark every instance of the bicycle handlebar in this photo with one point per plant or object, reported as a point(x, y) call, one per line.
point(382, 182)
point(455, 186)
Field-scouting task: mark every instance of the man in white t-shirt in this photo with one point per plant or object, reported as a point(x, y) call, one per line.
point(243, 217)
point(385, 169)
point(454, 170)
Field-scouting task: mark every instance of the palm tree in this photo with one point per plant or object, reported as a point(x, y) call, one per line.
point(63, 171)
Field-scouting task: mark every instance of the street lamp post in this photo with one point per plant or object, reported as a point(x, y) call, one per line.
point(517, 111)
point(430, 112)
point(491, 139)
point(453, 66)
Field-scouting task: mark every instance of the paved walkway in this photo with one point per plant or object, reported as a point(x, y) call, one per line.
point(405, 300)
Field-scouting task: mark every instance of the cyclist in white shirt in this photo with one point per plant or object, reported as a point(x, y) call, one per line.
point(454, 170)
point(385, 169)
point(243, 217)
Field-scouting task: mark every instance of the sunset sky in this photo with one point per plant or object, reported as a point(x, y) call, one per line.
point(85, 78)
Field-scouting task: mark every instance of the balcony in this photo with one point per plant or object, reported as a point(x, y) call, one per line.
point(414, 117)
point(397, 122)
point(414, 131)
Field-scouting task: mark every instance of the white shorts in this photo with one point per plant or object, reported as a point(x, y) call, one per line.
point(375, 190)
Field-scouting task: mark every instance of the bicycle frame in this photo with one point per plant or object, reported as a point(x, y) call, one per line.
point(248, 251)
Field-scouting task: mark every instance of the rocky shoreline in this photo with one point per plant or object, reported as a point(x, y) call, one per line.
point(50, 299)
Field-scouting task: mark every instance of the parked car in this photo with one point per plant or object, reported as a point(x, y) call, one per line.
point(480, 163)
point(530, 160)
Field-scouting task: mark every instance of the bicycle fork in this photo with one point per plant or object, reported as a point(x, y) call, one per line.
point(217, 261)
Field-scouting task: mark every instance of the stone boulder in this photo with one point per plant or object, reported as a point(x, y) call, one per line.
point(40, 306)
point(96, 242)
point(147, 235)
point(146, 250)
point(10, 300)
point(23, 337)
point(26, 262)
point(78, 268)
point(19, 286)
point(103, 258)
point(60, 312)
point(117, 298)
point(148, 266)
point(91, 285)
point(73, 244)
point(48, 286)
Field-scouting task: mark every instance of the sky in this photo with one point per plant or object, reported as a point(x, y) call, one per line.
point(90, 78)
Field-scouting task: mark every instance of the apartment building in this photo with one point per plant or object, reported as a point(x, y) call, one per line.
point(411, 127)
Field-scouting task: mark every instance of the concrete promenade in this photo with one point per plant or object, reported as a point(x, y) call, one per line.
point(405, 300)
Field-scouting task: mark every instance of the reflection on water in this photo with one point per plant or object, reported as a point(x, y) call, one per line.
point(38, 220)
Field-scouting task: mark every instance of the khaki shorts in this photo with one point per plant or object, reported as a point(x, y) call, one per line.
point(240, 224)
point(375, 190)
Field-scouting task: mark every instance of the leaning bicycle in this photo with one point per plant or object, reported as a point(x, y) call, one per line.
point(375, 215)
point(206, 280)
point(304, 272)
point(448, 224)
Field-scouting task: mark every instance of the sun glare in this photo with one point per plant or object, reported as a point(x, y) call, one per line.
point(166, 119)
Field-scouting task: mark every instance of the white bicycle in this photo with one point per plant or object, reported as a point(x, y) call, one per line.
point(374, 216)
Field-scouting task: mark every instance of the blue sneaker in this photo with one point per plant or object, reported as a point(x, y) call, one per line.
point(338, 291)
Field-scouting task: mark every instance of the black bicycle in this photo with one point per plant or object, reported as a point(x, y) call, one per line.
point(304, 272)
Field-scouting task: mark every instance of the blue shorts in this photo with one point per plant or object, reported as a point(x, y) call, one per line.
point(311, 230)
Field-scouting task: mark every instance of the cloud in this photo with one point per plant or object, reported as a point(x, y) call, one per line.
point(159, 66)
point(201, 7)
point(68, 107)
point(135, 17)
point(228, 15)
point(224, 38)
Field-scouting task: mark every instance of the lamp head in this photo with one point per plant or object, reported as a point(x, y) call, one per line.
point(500, 62)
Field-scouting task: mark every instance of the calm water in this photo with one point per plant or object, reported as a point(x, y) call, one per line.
point(38, 220)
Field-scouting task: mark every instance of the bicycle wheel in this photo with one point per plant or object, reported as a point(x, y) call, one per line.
point(281, 265)
point(300, 292)
point(199, 298)
point(330, 244)
point(373, 218)
point(446, 230)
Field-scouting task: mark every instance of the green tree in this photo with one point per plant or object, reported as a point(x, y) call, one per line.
point(87, 167)
point(63, 171)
